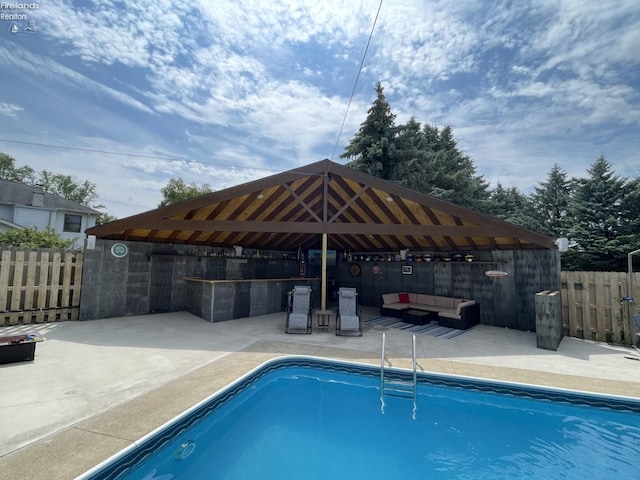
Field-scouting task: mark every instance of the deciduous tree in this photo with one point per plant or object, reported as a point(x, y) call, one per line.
point(68, 187)
point(9, 171)
point(176, 191)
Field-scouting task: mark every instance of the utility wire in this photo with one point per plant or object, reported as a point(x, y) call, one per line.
point(173, 159)
point(139, 155)
point(375, 20)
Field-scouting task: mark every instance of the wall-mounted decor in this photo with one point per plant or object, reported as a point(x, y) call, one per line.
point(407, 270)
point(496, 273)
point(354, 270)
point(119, 250)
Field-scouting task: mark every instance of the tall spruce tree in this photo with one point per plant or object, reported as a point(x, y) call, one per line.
point(429, 161)
point(551, 203)
point(412, 151)
point(630, 221)
point(596, 209)
point(512, 206)
point(457, 180)
point(372, 149)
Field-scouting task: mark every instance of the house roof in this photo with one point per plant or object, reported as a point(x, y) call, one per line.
point(21, 194)
point(292, 209)
point(11, 225)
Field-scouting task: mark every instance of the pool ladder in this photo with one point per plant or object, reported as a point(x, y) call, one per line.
point(398, 388)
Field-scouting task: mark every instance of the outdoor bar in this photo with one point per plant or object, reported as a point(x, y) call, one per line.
point(220, 300)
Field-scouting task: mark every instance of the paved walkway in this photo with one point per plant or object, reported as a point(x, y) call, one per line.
point(97, 386)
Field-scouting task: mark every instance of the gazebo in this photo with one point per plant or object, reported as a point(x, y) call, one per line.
point(333, 210)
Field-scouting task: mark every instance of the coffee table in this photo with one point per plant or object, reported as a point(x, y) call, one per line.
point(419, 317)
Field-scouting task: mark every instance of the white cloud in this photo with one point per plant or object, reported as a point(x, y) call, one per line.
point(9, 109)
point(265, 84)
point(39, 67)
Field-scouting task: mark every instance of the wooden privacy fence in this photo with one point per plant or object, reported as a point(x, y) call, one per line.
point(594, 306)
point(39, 285)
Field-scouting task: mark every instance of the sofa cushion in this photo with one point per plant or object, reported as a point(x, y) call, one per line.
point(403, 297)
point(463, 303)
point(449, 314)
point(445, 302)
point(390, 298)
point(424, 299)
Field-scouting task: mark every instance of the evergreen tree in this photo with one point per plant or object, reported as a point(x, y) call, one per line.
point(430, 162)
point(596, 210)
point(412, 152)
point(427, 160)
point(630, 208)
point(510, 205)
point(551, 203)
point(457, 181)
point(372, 149)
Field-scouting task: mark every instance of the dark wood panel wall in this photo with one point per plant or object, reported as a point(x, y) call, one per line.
point(504, 301)
point(150, 278)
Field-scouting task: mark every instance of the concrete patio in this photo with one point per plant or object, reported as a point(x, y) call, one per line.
point(97, 386)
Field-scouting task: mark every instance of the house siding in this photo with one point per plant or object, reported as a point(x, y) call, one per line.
point(87, 222)
point(32, 217)
point(6, 213)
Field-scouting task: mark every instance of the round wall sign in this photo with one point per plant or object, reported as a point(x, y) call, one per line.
point(119, 250)
point(376, 269)
point(354, 270)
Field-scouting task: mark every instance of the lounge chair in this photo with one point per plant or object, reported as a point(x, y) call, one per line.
point(299, 310)
point(348, 319)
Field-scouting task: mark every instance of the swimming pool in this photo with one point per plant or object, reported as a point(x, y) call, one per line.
point(301, 417)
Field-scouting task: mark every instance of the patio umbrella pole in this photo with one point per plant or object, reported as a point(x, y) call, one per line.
point(323, 293)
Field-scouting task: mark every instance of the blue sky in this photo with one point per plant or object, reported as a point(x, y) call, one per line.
point(223, 92)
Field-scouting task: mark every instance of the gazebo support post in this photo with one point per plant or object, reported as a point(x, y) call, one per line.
point(323, 281)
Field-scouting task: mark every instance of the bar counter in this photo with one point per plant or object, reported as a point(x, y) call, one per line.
point(220, 300)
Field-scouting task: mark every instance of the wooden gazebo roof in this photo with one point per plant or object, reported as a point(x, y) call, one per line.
point(292, 209)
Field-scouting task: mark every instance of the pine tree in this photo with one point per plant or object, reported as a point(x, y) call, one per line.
point(596, 209)
point(510, 205)
point(372, 149)
point(630, 221)
point(451, 174)
point(412, 152)
point(551, 203)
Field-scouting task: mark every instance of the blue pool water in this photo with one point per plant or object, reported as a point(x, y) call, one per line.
point(301, 418)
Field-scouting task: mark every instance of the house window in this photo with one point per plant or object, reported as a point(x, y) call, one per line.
point(72, 223)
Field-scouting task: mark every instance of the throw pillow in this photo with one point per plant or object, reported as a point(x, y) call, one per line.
point(404, 297)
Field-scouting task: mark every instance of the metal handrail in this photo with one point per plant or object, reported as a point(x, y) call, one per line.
point(382, 356)
point(415, 378)
point(398, 388)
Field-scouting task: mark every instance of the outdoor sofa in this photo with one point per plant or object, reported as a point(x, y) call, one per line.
point(452, 312)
